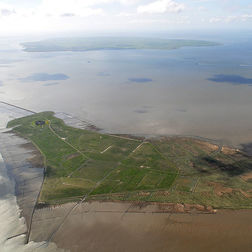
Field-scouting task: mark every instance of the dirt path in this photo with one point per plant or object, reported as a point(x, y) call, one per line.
point(138, 147)
point(106, 149)
point(71, 210)
point(64, 140)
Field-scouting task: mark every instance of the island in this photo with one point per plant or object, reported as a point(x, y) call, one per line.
point(111, 43)
point(86, 165)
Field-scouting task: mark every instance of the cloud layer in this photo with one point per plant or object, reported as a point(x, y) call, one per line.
point(161, 6)
point(105, 15)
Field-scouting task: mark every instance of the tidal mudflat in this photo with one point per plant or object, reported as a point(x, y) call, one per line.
point(191, 91)
point(122, 226)
point(106, 226)
point(21, 177)
point(160, 194)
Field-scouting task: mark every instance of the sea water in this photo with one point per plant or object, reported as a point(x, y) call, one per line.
point(203, 91)
point(190, 91)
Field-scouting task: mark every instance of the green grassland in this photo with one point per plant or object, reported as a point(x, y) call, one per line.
point(82, 163)
point(110, 43)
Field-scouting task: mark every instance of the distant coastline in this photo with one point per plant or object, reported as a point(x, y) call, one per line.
point(111, 43)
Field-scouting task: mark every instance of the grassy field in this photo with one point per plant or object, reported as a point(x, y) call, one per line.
point(103, 167)
point(110, 43)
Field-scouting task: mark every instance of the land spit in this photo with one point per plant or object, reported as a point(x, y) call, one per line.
point(118, 226)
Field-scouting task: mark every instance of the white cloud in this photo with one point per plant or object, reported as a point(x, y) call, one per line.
point(90, 15)
point(246, 17)
point(59, 5)
point(125, 14)
point(215, 20)
point(75, 7)
point(161, 6)
point(202, 8)
point(202, 1)
point(231, 19)
point(128, 2)
point(54, 8)
point(6, 10)
point(68, 14)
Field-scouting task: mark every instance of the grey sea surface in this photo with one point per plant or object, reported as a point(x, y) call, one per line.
point(197, 91)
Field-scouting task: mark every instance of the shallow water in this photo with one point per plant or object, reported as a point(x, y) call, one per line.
point(187, 91)
point(107, 226)
point(137, 92)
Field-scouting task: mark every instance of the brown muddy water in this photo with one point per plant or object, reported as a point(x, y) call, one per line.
point(193, 91)
point(108, 226)
point(115, 227)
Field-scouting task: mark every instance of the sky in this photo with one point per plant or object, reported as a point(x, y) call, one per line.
point(36, 16)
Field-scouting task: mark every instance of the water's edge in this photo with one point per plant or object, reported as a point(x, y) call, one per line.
point(20, 183)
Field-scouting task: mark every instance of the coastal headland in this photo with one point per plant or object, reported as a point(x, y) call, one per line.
point(98, 183)
point(85, 165)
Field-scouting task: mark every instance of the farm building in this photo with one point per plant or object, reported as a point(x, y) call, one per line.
point(40, 123)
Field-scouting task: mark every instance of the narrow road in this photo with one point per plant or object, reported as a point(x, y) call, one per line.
point(84, 197)
point(12, 105)
point(106, 149)
point(138, 147)
point(121, 137)
point(64, 140)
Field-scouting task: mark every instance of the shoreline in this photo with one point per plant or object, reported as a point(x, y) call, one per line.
point(19, 156)
point(75, 122)
point(43, 231)
point(27, 177)
point(87, 125)
point(108, 226)
point(156, 207)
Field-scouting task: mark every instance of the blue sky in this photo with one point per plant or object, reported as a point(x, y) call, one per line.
point(26, 16)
